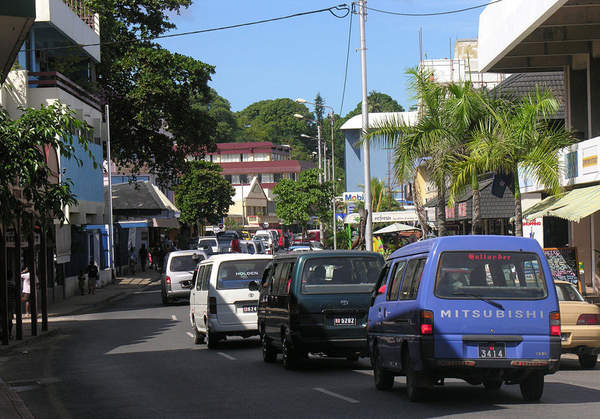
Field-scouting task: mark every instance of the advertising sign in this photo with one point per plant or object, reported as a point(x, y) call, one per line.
point(354, 196)
point(395, 216)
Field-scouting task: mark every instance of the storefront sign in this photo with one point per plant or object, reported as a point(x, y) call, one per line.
point(563, 264)
point(450, 212)
point(590, 161)
point(395, 216)
point(462, 209)
point(354, 196)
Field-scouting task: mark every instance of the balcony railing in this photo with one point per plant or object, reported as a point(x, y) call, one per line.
point(84, 12)
point(56, 79)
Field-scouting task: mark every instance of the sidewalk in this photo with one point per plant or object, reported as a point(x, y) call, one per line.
point(11, 405)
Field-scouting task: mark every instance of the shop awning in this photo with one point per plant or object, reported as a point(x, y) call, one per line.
point(573, 205)
point(165, 222)
point(133, 224)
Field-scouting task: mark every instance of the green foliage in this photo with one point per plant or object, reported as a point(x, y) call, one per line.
point(219, 109)
point(376, 102)
point(296, 202)
point(203, 196)
point(273, 120)
point(151, 90)
point(23, 162)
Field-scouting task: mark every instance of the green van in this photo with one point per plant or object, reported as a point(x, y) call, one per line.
point(316, 302)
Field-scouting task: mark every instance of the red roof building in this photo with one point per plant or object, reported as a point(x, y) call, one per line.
point(269, 162)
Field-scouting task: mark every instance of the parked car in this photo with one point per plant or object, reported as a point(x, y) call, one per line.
point(580, 325)
point(210, 243)
point(267, 241)
point(178, 270)
point(316, 302)
point(253, 247)
point(479, 308)
point(220, 304)
point(245, 235)
point(274, 238)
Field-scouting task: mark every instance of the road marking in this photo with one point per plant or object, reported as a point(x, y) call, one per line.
point(190, 334)
point(20, 389)
point(332, 394)
point(224, 355)
point(173, 317)
point(365, 372)
point(147, 292)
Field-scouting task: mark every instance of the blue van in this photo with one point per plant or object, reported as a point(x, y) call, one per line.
point(479, 308)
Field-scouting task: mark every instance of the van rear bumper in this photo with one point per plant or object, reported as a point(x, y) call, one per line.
point(549, 366)
point(333, 346)
point(178, 293)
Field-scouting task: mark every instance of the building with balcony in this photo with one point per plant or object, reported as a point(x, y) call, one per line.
point(16, 18)
point(51, 66)
point(519, 36)
point(268, 162)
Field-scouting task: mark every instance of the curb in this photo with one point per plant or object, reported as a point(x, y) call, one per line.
point(11, 404)
point(30, 340)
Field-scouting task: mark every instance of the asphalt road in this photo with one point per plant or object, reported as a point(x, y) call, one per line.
point(137, 359)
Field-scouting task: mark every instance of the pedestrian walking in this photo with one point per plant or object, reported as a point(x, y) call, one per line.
point(25, 289)
point(143, 256)
point(92, 272)
point(81, 280)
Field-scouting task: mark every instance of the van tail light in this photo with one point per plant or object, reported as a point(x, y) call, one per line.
point(426, 322)
point(212, 305)
point(168, 280)
point(588, 319)
point(554, 323)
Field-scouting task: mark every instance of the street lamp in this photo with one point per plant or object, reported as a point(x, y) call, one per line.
point(332, 117)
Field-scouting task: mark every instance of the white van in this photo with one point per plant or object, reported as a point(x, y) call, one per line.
point(220, 303)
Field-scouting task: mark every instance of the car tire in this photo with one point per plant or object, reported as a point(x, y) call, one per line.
point(165, 299)
point(198, 337)
point(211, 339)
point(268, 352)
point(288, 355)
point(492, 384)
point(384, 380)
point(588, 361)
point(532, 387)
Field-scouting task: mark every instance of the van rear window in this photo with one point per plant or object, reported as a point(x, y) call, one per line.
point(238, 274)
point(340, 275)
point(494, 275)
point(185, 263)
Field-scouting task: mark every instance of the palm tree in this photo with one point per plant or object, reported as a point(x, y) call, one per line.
point(517, 139)
point(447, 116)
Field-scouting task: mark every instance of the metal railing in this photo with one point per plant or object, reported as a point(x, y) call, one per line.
point(56, 79)
point(84, 12)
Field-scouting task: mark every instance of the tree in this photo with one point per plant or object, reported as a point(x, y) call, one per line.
point(376, 102)
point(151, 90)
point(219, 109)
point(297, 201)
point(519, 139)
point(273, 120)
point(203, 196)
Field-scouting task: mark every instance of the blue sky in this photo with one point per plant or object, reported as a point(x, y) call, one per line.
point(302, 56)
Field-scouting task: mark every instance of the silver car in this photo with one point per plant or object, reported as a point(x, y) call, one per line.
point(178, 270)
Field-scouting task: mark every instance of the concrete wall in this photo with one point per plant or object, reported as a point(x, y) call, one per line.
point(354, 165)
point(57, 13)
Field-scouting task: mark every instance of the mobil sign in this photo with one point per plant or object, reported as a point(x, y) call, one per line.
point(354, 196)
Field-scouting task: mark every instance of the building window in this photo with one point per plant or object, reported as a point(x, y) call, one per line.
point(571, 163)
point(246, 157)
point(235, 179)
point(230, 158)
point(266, 178)
point(277, 177)
point(244, 179)
point(228, 178)
point(261, 157)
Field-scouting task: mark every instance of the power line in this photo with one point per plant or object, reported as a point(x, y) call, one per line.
point(340, 11)
point(448, 12)
point(347, 59)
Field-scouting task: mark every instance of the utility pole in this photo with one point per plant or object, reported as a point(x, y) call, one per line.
point(334, 180)
point(362, 4)
point(320, 176)
point(111, 243)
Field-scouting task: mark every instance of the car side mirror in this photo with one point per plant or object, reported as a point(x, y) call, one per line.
point(253, 286)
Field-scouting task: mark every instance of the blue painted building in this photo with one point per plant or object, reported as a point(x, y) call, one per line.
point(381, 156)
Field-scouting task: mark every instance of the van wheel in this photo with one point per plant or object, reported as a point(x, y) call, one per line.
point(164, 298)
point(588, 361)
point(211, 339)
point(492, 384)
point(198, 337)
point(288, 355)
point(269, 353)
point(532, 387)
point(414, 392)
point(384, 380)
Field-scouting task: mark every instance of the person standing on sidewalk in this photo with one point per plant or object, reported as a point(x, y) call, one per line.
point(143, 256)
point(26, 289)
point(92, 271)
